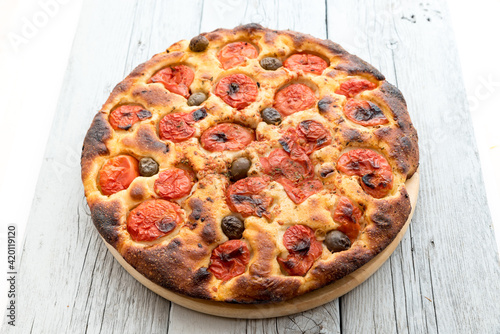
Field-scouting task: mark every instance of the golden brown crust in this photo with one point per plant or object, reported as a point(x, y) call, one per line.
point(180, 260)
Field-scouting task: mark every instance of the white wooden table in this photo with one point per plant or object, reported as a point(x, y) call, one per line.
point(445, 275)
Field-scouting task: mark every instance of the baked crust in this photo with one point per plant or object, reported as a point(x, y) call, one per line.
point(179, 261)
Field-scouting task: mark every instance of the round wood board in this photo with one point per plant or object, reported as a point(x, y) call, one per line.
point(295, 305)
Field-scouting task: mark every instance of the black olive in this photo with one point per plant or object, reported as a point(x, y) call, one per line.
point(232, 227)
point(270, 63)
point(148, 167)
point(337, 241)
point(198, 43)
point(271, 116)
point(196, 99)
point(239, 168)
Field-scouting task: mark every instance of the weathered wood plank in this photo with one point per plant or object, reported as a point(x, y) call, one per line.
point(439, 279)
point(68, 281)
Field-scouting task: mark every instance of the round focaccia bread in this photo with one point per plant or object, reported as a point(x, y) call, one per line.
point(250, 165)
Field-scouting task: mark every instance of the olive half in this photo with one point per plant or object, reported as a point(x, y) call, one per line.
point(198, 43)
point(232, 227)
point(337, 241)
point(196, 99)
point(148, 167)
point(270, 63)
point(239, 168)
point(271, 116)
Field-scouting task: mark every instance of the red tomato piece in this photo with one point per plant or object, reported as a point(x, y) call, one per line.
point(234, 54)
point(314, 135)
point(117, 174)
point(293, 172)
point(299, 192)
point(237, 90)
point(244, 197)
point(293, 98)
point(303, 248)
point(364, 113)
point(229, 259)
point(306, 62)
point(177, 127)
point(279, 163)
point(176, 79)
point(374, 170)
point(349, 216)
point(226, 137)
point(125, 116)
point(153, 219)
point(353, 87)
point(173, 183)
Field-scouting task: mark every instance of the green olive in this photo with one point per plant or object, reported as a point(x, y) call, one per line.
point(148, 167)
point(196, 99)
point(270, 63)
point(239, 168)
point(232, 227)
point(198, 43)
point(337, 241)
point(271, 116)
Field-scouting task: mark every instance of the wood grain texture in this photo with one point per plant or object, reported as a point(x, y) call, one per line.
point(445, 275)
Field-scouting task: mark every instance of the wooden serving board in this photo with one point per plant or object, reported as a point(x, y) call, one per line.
point(298, 304)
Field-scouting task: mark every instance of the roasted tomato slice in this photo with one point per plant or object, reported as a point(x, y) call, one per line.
point(173, 183)
point(303, 248)
point(226, 137)
point(117, 174)
point(229, 259)
point(237, 90)
point(234, 54)
point(176, 79)
point(125, 116)
point(306, 62)
point(294, 173)
point(313, 135)
point(364, 113)
point(293, 98)
point(348, 215)
point(353, 87)
point(177, 127)
point(153, 219)
point(244, 196)
point(299, 192)
point(374, 170)
point(279, 163)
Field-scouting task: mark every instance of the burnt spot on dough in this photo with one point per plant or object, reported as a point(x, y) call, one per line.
point(106, 218)
point(208, 233)
point(353, 65)
point(147, 140)
point(381, 219)
point(94, 143)
point(256, 289)
point(137, 192)
point(352, 135)
point(196, 206)
point(156, 264)
point(324, 105)
point(152, 95)
point(202, 275)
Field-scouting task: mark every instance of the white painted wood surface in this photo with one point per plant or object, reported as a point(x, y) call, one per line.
point(444, 277)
